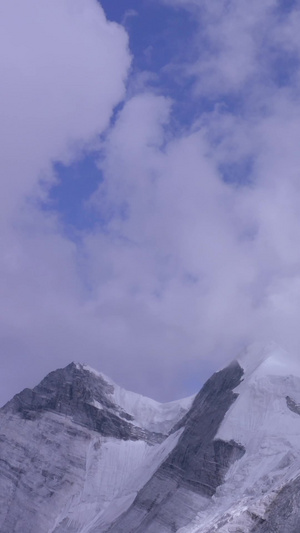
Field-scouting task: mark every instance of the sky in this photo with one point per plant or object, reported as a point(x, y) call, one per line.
point(150, 187)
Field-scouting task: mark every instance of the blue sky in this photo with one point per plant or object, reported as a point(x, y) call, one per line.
point(160, 39)
point(150, 187)
point(159, 36)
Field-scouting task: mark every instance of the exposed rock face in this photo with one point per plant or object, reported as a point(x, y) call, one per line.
point(283, 515)
point(71, 391)
point(80, 455)
point(292, 405)
point(41, 464)
point(71, 454)
point(197, 464)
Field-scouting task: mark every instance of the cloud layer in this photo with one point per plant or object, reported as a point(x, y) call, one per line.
point(196, 252)
point(58, 91)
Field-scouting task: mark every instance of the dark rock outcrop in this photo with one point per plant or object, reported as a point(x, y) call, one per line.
point(197, 465)
point(71, 391)
point(283, 515)
point(292, 405)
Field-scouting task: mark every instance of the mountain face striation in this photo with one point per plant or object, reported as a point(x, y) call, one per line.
point(78, 454)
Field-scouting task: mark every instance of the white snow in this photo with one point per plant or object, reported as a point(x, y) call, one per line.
point(147, 413)
point(115, 471)
point(270, 432)
point(259, 419)
point(260, 411)
point(97, 478)
point(97, 404)
point(269, 359)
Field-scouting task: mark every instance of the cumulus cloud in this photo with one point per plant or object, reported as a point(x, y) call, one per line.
point(204, 226)
point(197, 250)
point(63, 70)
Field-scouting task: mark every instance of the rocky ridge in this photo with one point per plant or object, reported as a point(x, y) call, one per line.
point(78, 454)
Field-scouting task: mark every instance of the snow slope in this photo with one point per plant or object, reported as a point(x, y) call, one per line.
point(115, 472)
point(147, 413)
point(262, 421)
point(57, 473)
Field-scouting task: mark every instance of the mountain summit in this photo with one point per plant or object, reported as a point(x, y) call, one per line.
point(78, 454)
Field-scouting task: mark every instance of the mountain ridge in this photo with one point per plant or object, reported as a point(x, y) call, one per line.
point(79, 454)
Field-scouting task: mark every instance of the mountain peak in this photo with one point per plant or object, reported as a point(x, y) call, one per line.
point(79, 453)
point(92, 400)
point(87, 368)
point(268, 359)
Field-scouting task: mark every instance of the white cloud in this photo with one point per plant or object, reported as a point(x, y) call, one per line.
point(187, 267)
point(216, 263)
point(63, 69)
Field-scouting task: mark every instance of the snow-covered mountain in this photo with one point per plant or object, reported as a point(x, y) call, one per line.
point(78, 454)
